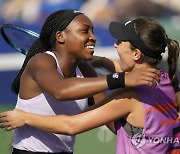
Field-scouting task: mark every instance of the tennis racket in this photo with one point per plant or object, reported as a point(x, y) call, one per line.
point(18, 37)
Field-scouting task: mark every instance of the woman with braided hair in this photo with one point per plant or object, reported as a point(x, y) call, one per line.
point(148, 114)
point(55, 79)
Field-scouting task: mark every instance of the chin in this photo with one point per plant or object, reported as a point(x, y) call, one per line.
point(88, 58)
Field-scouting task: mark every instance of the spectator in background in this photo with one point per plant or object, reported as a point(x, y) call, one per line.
point(33, 11)
point(15, 10)
point(107, 10)
point(171, 4)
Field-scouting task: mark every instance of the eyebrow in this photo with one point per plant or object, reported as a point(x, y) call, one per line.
point(87, 25)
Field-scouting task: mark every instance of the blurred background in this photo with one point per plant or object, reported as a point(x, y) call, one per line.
point(32, 13)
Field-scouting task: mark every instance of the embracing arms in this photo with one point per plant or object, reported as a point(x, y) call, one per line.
point(43, 71)
point(108, 64)
point(110, 109)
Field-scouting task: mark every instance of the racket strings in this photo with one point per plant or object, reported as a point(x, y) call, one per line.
point(20, 40)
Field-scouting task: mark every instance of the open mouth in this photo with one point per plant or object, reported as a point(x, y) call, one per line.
point(90, 47)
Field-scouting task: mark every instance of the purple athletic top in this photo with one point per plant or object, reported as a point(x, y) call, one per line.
point(161, 125)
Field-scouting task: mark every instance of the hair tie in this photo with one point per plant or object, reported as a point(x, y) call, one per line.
point(167, 41)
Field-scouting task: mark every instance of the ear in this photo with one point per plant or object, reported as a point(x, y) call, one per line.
point(59, 37)
point(137, 54)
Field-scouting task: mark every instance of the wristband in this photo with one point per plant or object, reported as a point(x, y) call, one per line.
point(116, 80)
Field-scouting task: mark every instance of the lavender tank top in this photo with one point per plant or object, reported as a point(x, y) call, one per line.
point(161, 125)
point(33, 139)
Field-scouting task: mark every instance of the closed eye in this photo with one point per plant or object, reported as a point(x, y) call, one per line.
point(84, 31)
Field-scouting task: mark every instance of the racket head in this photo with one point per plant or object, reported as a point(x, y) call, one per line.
point(18, 37)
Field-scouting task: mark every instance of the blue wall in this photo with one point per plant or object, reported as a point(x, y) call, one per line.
point(6, 96)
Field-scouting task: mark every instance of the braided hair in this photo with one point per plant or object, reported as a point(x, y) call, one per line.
point(58, 20)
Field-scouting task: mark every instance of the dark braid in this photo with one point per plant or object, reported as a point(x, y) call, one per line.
point(45, 42)
point(37, 47)
point(47, 29)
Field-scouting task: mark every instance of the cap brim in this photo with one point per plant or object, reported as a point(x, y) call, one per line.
point(117, 31)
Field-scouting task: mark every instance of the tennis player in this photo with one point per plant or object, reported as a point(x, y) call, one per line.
point(52, 82)
point(149, 115)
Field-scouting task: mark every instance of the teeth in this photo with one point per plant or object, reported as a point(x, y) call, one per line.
point(90, 47)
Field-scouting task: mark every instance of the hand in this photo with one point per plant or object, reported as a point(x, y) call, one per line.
point(142, 76)
point(12, 119)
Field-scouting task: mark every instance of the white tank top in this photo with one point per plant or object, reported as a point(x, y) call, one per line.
point(36, 140)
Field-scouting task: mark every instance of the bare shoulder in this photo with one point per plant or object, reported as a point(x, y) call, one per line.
point(87, 69)
point(42, 60)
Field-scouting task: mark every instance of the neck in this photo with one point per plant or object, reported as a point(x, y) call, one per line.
point(142, 65)
point(68, 65)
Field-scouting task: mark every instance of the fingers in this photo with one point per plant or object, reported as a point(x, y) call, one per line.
point(154, 73)
point(12, 119)
point(143, 76)
point(3, 117)
point(9, 128)
point(153, 70)
point(3, 114)
point(4, 123)
point(148, 83)
point(149, 79)
point(150, 75)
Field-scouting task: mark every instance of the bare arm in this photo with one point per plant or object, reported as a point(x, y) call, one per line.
point(88, 71)
point(112, 108)
point(43, 70)
point(109, 64)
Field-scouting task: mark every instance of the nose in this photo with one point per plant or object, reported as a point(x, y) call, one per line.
point(115, 45)
point(92, 37)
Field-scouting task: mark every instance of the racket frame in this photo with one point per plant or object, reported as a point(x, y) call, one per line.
point(10, 42)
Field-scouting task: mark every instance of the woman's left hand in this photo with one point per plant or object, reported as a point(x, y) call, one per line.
point(12, 119)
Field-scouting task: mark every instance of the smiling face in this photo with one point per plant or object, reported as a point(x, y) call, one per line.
point(79, 39)
point(126, 55)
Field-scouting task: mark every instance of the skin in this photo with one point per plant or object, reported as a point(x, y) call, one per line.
point(124, 101)
point(42, 67)
point(72, 52)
